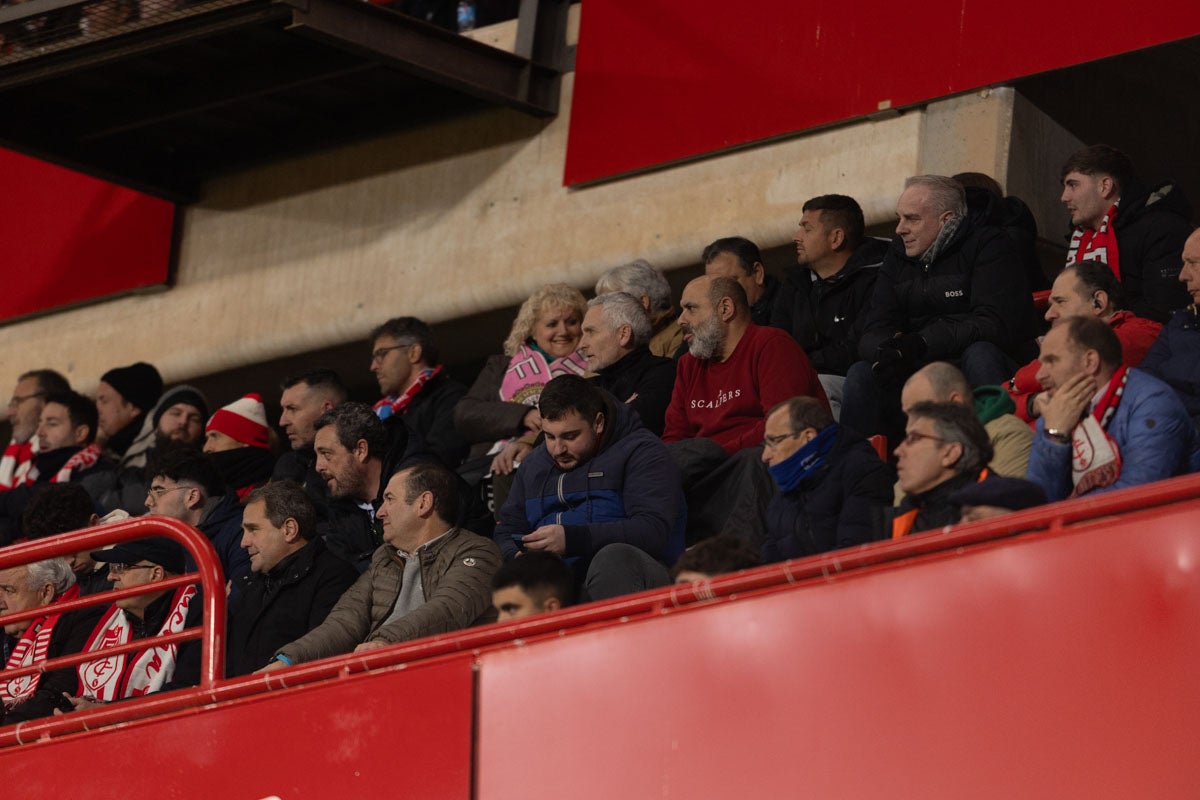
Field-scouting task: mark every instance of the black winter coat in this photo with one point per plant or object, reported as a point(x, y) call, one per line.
point(826, 316)
point(1012, 216)
point(431, 416)
point(1151, 227)
point(283, 605)
point(842, 506)
point(648, 376)
point(974, 291)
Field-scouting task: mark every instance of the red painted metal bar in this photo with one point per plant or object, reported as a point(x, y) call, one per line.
point(1052, 519)
point(101, 598)
point(208, 569)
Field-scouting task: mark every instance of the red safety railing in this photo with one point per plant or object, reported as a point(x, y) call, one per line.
point(208, 574)
point(471, 643)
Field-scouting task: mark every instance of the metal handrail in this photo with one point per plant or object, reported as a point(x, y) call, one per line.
point(208, 570)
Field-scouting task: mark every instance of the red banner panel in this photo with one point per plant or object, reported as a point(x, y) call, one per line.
point(661, 80)
point(69, 237)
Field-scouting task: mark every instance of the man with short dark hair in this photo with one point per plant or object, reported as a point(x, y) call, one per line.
point(124, 399)
point(616, 332)
point(536, 583)
point(294, 580)
point(738, 258)
point(351, 445)
point(717, 555)
point(945, 447)
point(24, 410)
point(1104, 426)
point(822, 300)
point(52, 635)
point(186, 486)
point(416, 386)
point(63, 507)
point(949, 289)
point(833, 488)
point(305, 397)
point(428, 577)
point(1138, 232)
point(67, 451)
point(1084, 289)
point(601, 479)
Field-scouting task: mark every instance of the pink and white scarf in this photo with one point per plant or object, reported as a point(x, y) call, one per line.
point(137, 673)
point(528, 371)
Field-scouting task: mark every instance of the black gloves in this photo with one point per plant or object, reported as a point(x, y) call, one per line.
point(897, 358)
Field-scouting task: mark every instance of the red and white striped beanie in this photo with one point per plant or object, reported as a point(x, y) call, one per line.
point(244, 420)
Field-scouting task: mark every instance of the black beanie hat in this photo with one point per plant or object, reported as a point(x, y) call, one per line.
point(181, 394)
point(138, 383)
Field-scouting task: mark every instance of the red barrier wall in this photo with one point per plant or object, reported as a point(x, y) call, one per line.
point(662, 80)
point(1050, 666)
point(69, 237)
point(403, 733)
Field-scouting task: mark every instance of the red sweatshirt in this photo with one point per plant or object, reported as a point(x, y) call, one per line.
point(1136, 335)
point(727, 401)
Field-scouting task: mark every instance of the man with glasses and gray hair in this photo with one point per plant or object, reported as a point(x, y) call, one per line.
point(616, 334)
point(945, 448)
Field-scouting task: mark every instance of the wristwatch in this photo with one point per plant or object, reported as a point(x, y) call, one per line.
point(1061, 437)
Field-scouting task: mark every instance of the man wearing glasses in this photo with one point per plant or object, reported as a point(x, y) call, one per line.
point(24, 409)
point(416, 387)
point(140, 563)
point(945, 448)
point(833, 488)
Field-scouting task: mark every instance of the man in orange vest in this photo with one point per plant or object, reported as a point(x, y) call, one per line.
point(945, 448)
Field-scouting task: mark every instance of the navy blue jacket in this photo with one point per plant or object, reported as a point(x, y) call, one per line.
point(1174, 359)
point(841, 506)
point(630, 491)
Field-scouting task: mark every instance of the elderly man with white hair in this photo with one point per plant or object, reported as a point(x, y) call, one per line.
point(616, 331)
point(41, 584)
point(650, 288)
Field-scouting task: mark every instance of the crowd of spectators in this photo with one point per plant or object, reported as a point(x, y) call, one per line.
point(614, 445)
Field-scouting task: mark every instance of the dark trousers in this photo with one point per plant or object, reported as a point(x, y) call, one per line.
point(725, 494)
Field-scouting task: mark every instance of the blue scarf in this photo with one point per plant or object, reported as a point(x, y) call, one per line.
point(805, 462)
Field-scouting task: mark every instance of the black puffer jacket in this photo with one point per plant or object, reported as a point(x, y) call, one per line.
point(974, 291)
point(1011, 215)
point(1151, 227)
point(826, 316)
point(842, 506)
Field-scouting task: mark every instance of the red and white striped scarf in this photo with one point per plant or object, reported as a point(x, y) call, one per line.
point(16, 463)
point(1098, 245)
point(399, 404)
point(31, 649)
point(137, 673)
point(1095, 456)
point(84, 459)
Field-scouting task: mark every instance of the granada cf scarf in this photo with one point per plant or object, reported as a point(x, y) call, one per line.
point(389, 406)
point(1097, 245)
point(16, 463)
point(1095, 458)
point(528, 371)
point(137, 673)
point(31, 649)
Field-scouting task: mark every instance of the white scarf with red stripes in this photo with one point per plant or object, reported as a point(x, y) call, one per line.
point(16, 463)
point(84, 459)
point(31, 649)
point(137, 673)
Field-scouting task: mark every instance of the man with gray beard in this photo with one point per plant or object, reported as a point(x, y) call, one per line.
point(733, 373)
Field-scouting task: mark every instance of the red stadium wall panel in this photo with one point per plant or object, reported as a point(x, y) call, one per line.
point(1057, 665)
point(657, 81)
point(401, 733)
point(70, 238)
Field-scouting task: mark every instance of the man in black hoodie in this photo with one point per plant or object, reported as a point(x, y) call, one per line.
point(1139, 233)
point(822, 301)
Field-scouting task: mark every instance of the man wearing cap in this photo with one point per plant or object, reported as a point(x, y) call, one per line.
point(996, 496)
point(294, 580)
point(24, 409)
point(42, 584)
point(142, 562)
point(428, 577)
point(124, 399)
point(236, 439)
